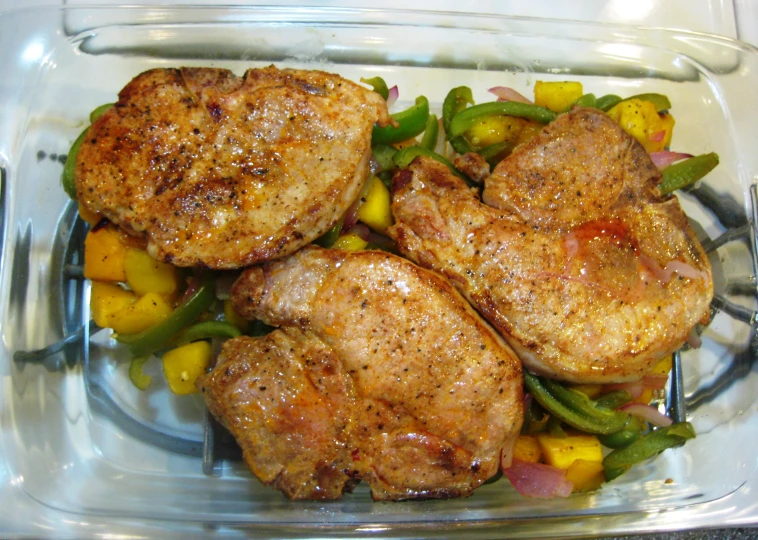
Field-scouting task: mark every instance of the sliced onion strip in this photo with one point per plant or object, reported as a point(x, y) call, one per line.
point(647, 413)
point(505, 93)
point(538, 480)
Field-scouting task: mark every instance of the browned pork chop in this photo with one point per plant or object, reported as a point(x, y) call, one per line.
point(589, 273)
point(221, 171)
point(380, 371)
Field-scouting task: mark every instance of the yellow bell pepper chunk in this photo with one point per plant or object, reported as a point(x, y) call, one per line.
point(585, 475)
point(645, 397)
point(92, 218)
point(495, 129)
point(641, 120)
point(375, 210)
point(350, 242)
point(145, 274)
point(527, 448)
point(589, 390)
point(232, 317)
point(561, 452)
point(104, 255)
point(557, 96)
point(146, 312)
point(662, 366)
point(529, 131)
point(107, 299)
point(183, 365)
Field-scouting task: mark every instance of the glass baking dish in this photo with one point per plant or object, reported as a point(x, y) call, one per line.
point(82, 449)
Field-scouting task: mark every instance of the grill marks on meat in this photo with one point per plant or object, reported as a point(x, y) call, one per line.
point(221, 171)
point(574, 256)
point(379, 371)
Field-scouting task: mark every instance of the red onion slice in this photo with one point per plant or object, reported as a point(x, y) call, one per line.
point(664, 159)
point(647, 413)
point(394, 93)
point(505, 93)
point(538, 480)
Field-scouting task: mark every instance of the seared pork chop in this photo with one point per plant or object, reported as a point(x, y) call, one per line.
point(380, 371)
point(220, 171)
point(589, 273)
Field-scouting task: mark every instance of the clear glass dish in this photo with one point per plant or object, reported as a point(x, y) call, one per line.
point(80, 454)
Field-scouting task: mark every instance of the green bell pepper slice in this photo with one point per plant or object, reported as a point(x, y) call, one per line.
point(405, 156)
point(687, 172)
point(574, 407)
point(429, 140)
point(411, 122)
point(466, 118)
point(661, 102)
point(379, 86)
point(625, 437)
point(155, 338)
point(98, 112)
point(619, 461)
point(607, 102)
point(456, 100)
point(137, 377)
point(383, 154)
point(67, 176)
point(495, 153)
point(207, 330)
point(614, 399)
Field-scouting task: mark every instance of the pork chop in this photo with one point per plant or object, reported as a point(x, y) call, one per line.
point(380, 371)
point(574, 256)
point(220, 171)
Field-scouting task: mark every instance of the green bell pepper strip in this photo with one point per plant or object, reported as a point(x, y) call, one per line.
point(614, 399)
point(607, 102)
point(687, 172)
point(495, 153)
point(429, 140)
point(206, 330)
point(383, 154)
point(465, 119)
point(587, 100)
point(619, 461)
point(412, 121)
point(379, 86)
point(574, 407)
point(98, 112)
point(136, 376)
point(160, 335)
point(455, 101)
point(405, 156)
point(660, 101)
point(67, 176)
point(625, 437)
point(328, 239)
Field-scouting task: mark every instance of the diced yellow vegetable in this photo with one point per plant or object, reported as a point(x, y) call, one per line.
point(527, 449)
point(495, 129)
point(561, 452)
point(641, 120)
point(529, 131)
point(375, 210)
point(106, 299)
point(350, 242)
point(146, 312)
point(585, 475)
point(104, 252)
point(645, 397)
point(144, 274)
point(662, 366)
point(557, 96)
point(589, 390)
point(183, 365)
point(232, 317)
point(92, 218)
